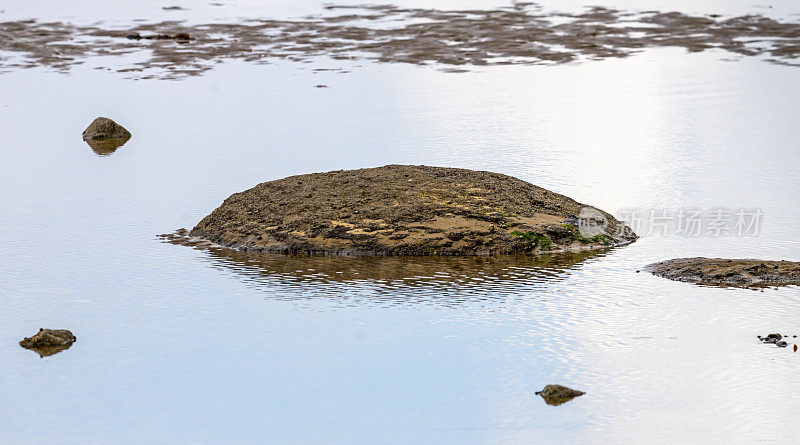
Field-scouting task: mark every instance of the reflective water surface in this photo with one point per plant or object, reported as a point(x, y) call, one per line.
point(206, 346)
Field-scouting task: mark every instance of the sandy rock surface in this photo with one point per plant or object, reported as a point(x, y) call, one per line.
point(728, 272)
point(404, 210)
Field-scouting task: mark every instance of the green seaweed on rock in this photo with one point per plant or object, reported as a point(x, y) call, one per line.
point(537, 239)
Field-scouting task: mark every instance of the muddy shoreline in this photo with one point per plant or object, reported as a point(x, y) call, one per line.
point(453, 40)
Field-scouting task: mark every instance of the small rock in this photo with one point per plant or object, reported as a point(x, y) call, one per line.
point(49, 341)
point(781, 344)
point(104, 128)
point(775, 336)
point(557, 394)
point(320, 86)
point(795, 348)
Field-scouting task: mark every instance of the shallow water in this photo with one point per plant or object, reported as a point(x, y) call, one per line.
point(184, 345)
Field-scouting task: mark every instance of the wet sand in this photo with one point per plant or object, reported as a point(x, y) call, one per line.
point(456, 40)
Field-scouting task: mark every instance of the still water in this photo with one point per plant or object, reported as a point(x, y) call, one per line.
point(178, 345)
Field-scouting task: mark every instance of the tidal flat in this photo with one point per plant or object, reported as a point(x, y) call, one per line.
point(212, 345)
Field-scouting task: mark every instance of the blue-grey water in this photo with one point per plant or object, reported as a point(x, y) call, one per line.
point(177, 345)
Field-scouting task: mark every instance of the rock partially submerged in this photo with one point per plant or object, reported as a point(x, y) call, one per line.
point(778, 340)
point(104, 128)
point(405, 210)
point(556, 394)
point(728, 272)
point(49, 341)
point(105, 136)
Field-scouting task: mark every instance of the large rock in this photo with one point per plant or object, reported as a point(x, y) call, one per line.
point(728, 272)
point(403, 209)
point(49, 341)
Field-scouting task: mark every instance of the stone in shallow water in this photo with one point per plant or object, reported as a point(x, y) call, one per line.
point(49, 341)
point(556, 394)
point(729, 272)
point(105, 136)
point(104, 128)
point(405, 210)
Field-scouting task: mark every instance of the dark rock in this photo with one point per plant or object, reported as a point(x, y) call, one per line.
point(105, 136)
point(49, 341)
point(781, 344)
point(181, 36)
point(104, 128)
point(556, 394)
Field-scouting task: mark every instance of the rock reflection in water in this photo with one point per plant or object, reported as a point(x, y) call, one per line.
point(397, 279)
point(106, 147)
point(47, 351)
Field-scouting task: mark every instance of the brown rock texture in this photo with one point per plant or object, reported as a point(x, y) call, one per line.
point(403, 210)
point(49, 341)
point(728, 272)
point(557, 394)
point(103, 128)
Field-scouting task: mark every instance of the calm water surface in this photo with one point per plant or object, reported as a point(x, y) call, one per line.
point(177, 345)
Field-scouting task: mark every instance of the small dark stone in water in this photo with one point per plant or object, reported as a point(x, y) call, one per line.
point(181, 36)
point(105, 136)
point(49, 341)
point(795, 348)
point(556, 394)
point(104, 128)
point(638, 271)
point(781, 344)
point(321, 86)
point(775, 336)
